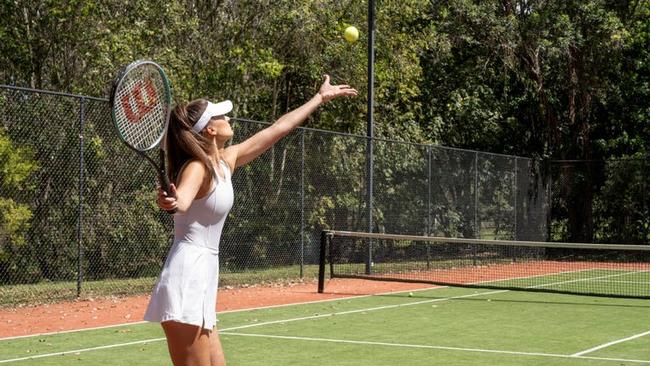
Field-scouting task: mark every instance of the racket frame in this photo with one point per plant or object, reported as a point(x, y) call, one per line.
point(161, 171)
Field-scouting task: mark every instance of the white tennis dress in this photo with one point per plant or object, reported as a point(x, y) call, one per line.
point(186, 291)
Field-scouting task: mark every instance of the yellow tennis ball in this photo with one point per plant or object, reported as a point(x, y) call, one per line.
point(351, 34)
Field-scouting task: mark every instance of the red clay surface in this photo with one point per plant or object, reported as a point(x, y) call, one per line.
point(90, 313)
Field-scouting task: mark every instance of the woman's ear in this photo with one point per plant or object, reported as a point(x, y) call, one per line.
point(211, 130)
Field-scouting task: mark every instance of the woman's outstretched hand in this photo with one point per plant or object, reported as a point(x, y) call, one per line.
point(329, 91)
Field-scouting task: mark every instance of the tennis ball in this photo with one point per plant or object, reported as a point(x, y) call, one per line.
point(410, 294)
point(351, 34)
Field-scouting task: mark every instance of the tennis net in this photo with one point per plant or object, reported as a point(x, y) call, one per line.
point(612, 270)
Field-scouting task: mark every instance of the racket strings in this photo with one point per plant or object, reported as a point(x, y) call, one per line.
point(141, 107)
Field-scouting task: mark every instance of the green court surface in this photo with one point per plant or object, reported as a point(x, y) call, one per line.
point(441, 326)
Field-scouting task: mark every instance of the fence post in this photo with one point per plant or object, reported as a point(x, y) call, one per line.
point(644, 200)
point(80, 251)
point(302, 203)
point(477, 229)
point(548, 168)
point(476, 199)
point(370, 132)
point(369, 196)
point(516, 193)
point(429, 218)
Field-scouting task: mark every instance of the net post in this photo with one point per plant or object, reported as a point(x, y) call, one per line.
point(324, 239)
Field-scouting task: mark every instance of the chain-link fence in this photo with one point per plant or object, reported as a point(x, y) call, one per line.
point(79, 216)
point(601, 201)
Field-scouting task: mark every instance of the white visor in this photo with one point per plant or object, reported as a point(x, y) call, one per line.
point(212, 110)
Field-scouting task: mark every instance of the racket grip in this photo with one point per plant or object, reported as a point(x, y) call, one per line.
point(164, 184)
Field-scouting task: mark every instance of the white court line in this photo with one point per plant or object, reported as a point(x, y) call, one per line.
point(81, 350)
point(529, 277)
point(285, 305)
point(446, 348)
point(582, 279)
point(71, 331)
point(318, 316)
point(578, 354)
point(249, 326)
point(605, 345)
point(634, 282)
point(434, 287)
point(396, 305)
point(280, 321)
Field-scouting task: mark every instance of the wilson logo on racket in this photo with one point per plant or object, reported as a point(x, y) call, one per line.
point(141, 91)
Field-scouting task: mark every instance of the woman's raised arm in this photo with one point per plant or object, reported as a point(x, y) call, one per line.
point(257, 144)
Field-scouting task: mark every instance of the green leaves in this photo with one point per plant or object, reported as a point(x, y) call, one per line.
point(16, 167)
point(16, 164)
point(14, 223)
point(556, 68)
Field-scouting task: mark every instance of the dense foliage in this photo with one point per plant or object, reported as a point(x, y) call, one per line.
point(559, 79)
point(550, 80)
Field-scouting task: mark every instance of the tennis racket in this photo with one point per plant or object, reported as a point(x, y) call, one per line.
point(140, 106)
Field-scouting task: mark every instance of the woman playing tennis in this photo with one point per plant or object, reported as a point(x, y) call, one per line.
point(201, 166)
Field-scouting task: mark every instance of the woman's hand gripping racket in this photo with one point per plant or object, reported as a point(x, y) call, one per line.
point(140, 107)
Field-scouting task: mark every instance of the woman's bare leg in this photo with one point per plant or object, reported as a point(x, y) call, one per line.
point(189, 345)
point(217, 357)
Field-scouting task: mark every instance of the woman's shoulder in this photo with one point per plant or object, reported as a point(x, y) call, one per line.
point(193, 166)
point(229, 156)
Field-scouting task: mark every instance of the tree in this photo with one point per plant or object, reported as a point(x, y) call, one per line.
point(539, 79)
point(16, 166)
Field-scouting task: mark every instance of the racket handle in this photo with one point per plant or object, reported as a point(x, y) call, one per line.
point(164, 184)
